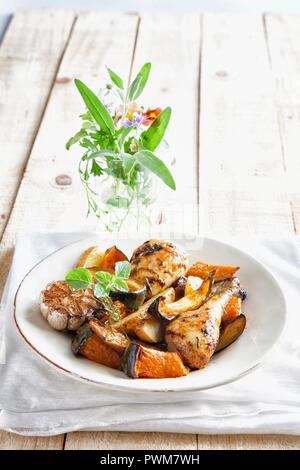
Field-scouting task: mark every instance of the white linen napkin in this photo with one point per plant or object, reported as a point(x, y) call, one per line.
point(36, 399)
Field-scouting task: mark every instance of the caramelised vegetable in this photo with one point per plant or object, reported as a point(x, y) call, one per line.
point(134, 297)
point(192, 283)
point(111, 256)
point(202, 270)
point(142, 362)
point(164, 310)
point(231, 331)
point(91, 258)
point(179, 287)
point(88, 344)
point(158, 264)
point(232, 310)
point(65, 308)
point(128, 324)
point(194, 335)
point(112, 338)
point(150, 330)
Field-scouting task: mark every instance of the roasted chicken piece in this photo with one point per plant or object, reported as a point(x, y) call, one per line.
point(65, 308)
point(158, 264)
point(195, 334)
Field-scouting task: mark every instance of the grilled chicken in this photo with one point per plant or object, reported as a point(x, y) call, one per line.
point(65, 308)
point(158, 264)
point(194, 335)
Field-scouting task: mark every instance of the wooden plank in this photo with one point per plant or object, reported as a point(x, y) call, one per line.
point(43, 203)
point(242, 184)
point(283, 39)
point(9, 441)
point(172, 43)
point(29, 56)
point(126, 440)
point(249, 442)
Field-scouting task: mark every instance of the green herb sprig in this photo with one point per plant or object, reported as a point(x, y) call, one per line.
point(121, 146)
point(81, 278)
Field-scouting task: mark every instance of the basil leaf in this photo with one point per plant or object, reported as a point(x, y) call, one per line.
point(122, 269)
point(75, 138)
point(103, 277)
point(120, 284)
point(79, 278)
point(154, 164)
point(96, 108)
point(138, 84)
point(153, 136)
point(100, 291)
point(116, 79)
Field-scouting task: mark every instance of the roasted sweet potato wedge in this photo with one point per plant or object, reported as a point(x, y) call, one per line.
point(88, 344)
point(129, 323)
point(150, 330)
point(202, 270)
point(108, 335)
point(111, 257)
point(142, 362)
point(230, 332)
point(233, 309)
point(164, 310)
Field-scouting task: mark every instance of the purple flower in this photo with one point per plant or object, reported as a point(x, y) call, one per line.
point(137, 119)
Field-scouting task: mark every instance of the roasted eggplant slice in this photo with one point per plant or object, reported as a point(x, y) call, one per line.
point(112, 338)
point(163, 310)
point(142, 362)
point(88, 344)
point(134, 297)
point(179, 287)
point(192, 283)
point(128, 324)
point(150, 330)
point(202, 270)
point(230, 332)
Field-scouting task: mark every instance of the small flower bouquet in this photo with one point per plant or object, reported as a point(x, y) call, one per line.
point(119, 138)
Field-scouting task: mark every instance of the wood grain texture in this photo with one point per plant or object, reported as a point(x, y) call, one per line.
point(172, 43)
point(9, 441)
point(42, 204)
point(249, 442)
point(242, 174)
point(29, 57)
point(126, 440)
point(283, 40)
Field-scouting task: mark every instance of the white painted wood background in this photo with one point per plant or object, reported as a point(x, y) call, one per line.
point(234, 84)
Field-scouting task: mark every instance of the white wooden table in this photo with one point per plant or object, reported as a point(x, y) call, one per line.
point(234, 79)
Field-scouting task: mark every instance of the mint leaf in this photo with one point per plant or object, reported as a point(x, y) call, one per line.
point(116, 79)
point(96, 108)
point(153, 136)
point(79, 278)
point(122, 269)
point(100, 291)
point(137, 86)
point(120, 284)
point(103, 277)
point(152, 163)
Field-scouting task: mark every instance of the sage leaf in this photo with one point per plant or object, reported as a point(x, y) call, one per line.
point(79, 278)
point(137, 86)
point(73, 140)
point(153, 136)
point(116, 79)
point(154, 164)
point(96, 108)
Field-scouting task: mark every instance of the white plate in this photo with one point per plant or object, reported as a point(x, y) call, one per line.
point(264, 308)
